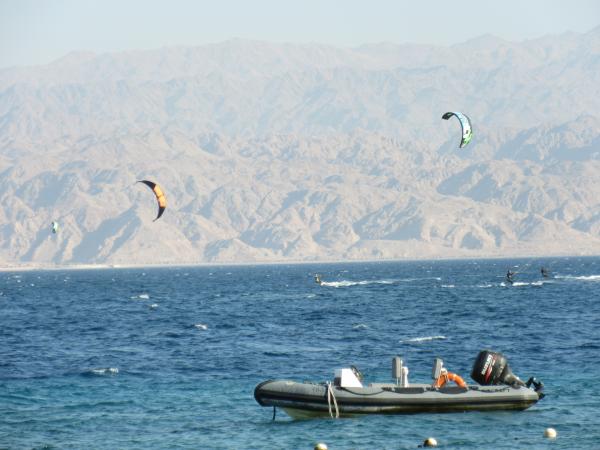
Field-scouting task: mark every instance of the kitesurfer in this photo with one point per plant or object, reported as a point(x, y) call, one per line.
point(318, 279)
point(509, 276)
point(545, 273)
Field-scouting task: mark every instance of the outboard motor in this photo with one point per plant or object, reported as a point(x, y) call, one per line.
point(492, 368)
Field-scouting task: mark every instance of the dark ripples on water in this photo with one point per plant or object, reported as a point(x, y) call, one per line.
point(169, 357)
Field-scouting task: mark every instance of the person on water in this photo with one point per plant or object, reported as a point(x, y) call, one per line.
point(545, 273)
point(509, 276)
point(318, 279)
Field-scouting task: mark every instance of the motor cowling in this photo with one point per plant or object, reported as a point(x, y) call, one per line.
point(492, 368)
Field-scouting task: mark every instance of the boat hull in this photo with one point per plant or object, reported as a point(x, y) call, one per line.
point(307, 400)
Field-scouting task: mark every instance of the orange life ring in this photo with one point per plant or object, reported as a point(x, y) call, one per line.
point(444, 378)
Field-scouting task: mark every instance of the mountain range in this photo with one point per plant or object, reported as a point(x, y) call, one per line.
point(286, 152)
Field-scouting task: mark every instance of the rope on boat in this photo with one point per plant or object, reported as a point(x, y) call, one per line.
point(331, 395)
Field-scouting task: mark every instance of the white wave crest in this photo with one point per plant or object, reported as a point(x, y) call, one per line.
point(201, 326)
point(523, 283)
point(425, 338)
point(347, 283)
point(360, 326)
point(154, 305)
point(581, 277)
point(448, 285)
point(105, 371)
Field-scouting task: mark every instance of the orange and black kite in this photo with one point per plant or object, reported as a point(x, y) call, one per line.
point(160, 196)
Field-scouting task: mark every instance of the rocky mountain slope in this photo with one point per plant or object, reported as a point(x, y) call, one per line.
point(280, 152)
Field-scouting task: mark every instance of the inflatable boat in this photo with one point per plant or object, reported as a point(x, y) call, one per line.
point(497, 389)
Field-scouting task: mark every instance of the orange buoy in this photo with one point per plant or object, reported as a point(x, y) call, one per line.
point(449, 376)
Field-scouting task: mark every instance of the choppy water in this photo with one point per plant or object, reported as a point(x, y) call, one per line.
point(169, 357)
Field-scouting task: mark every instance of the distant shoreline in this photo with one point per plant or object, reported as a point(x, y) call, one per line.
point(41, 267)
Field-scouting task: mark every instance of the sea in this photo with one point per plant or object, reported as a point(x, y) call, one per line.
point(168, 358)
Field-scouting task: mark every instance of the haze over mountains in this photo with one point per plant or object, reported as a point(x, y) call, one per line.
point(281, 152)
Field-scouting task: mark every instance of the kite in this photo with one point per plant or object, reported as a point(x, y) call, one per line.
point(465, 123)
point(160, 196)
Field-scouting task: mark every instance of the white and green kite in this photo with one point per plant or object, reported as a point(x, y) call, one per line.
point(465, 123)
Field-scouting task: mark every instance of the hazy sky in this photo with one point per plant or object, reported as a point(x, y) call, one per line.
point(37, 32)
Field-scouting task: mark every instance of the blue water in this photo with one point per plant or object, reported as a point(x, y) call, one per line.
point(169, 357)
